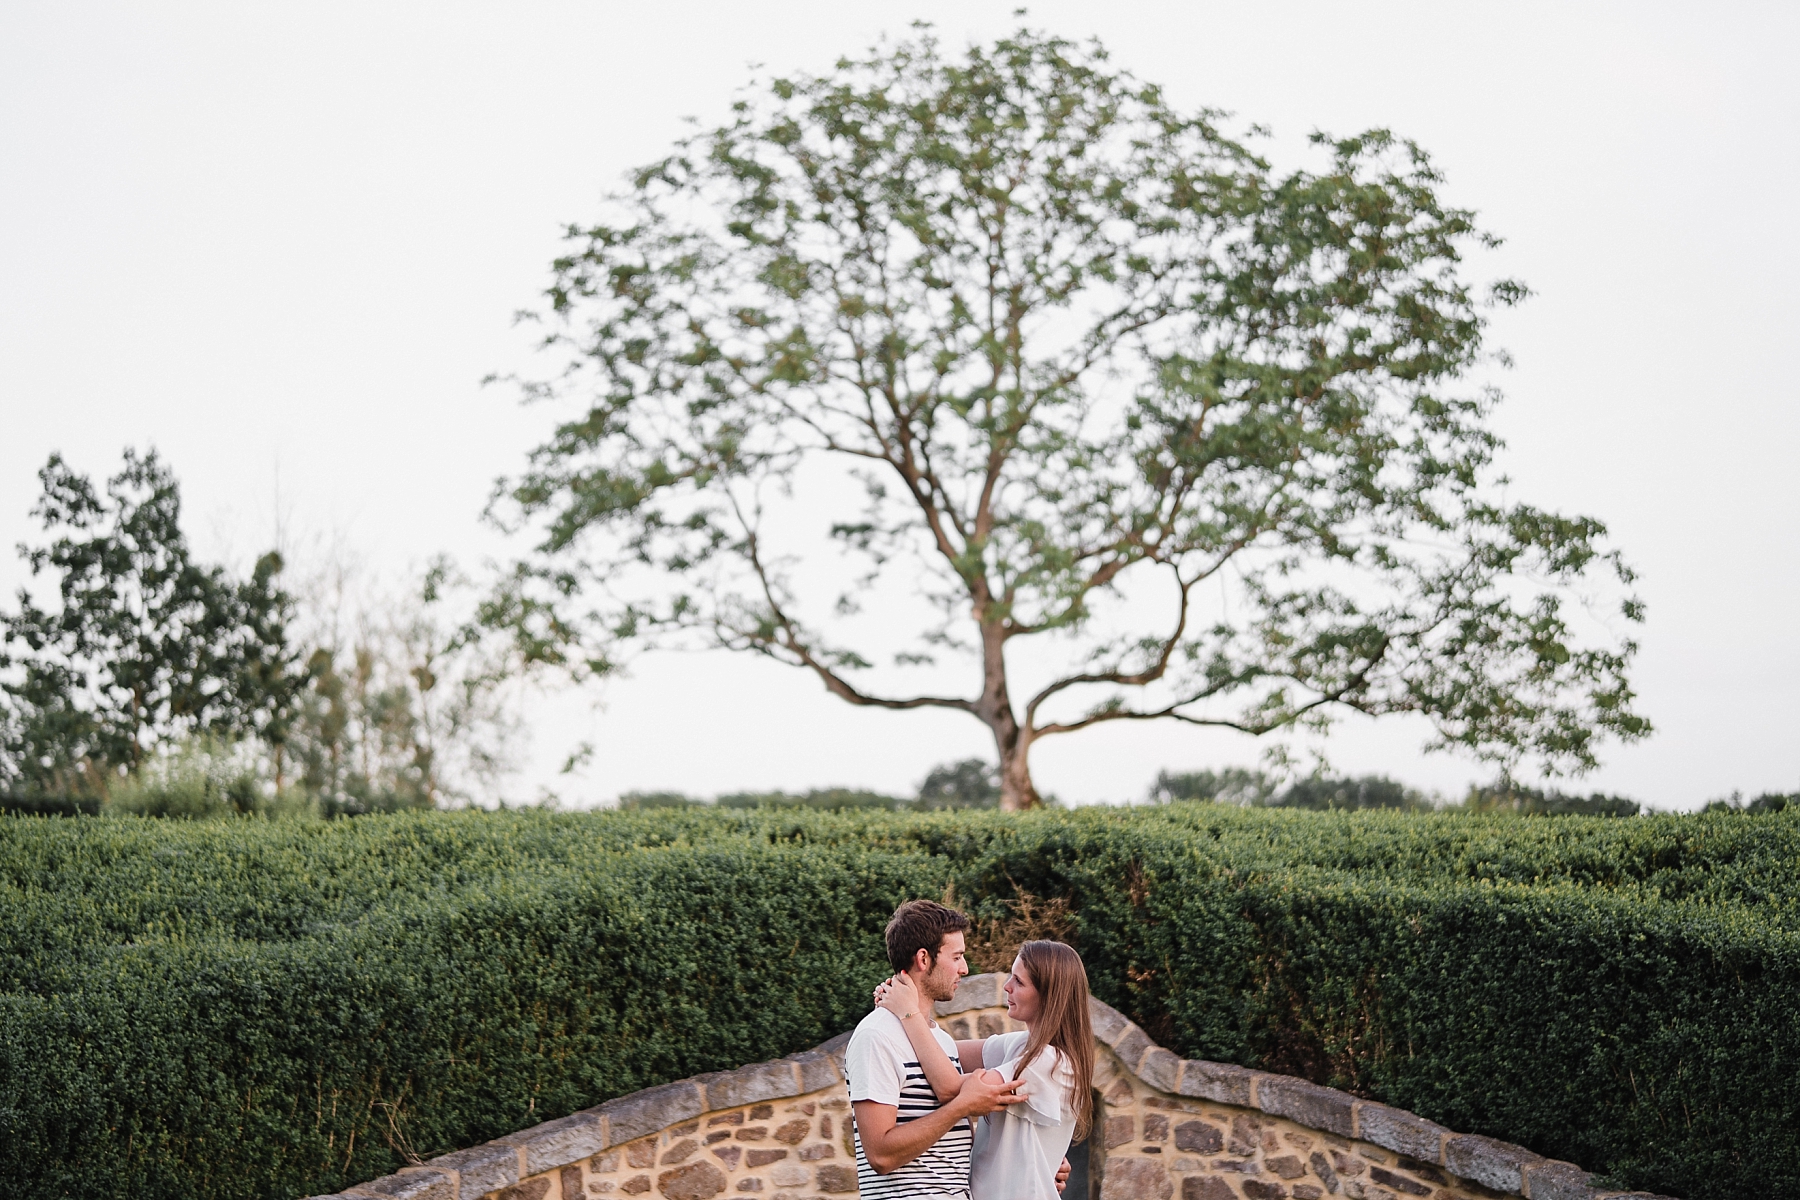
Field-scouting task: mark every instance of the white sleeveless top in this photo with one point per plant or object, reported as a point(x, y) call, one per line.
point(1019, 1148)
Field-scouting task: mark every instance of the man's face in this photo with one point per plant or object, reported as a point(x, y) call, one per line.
point(938, 982)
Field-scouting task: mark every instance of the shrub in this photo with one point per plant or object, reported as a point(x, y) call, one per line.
point(1507, 796)
point(238, 1009)
point(1230, 785)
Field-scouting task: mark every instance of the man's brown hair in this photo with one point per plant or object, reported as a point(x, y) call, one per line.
point(920, 925)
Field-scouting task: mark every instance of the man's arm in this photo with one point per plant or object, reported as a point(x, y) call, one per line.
point(890, 1145)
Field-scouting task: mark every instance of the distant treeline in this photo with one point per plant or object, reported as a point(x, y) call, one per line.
point(972, 783)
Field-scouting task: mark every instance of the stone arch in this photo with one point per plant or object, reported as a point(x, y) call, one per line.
point(1166, 1126)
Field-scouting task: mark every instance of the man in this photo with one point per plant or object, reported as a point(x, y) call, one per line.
point(908, 1143)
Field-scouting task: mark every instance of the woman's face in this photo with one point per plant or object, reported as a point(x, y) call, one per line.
point(1022, 1000)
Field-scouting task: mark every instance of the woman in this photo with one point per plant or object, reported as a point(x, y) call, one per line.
point(1018, 1149)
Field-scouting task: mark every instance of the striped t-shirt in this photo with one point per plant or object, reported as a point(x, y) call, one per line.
point(882, 1067)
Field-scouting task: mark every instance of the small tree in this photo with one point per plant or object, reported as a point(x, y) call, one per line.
point(1075, 346)
point(142, 645)
point(408, 704)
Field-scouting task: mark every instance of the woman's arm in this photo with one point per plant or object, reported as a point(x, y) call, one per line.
point(900, 997)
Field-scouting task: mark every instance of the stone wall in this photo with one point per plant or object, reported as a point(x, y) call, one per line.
point(1164, 1126)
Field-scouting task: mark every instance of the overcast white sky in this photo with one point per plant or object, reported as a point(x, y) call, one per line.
point(290, 238)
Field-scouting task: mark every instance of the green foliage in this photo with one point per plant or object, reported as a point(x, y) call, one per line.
point(1229, 785)
point(142, 646)
point(266, 1009)
point(1507, 796)
point(823, 799)
point(196, 782)
point(1072, 344)
point(1369, 791)
point(632, 801)
point(206, 779)
point(970, 783)
point(1768, 802)
point(407, 709)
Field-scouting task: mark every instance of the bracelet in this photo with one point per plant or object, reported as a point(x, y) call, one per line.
point(913, 1013)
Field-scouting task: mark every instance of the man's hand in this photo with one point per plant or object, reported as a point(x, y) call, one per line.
point(984, 1092)
point(1062, 1176)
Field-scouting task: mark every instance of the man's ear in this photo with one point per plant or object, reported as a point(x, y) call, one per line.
point(922, 961)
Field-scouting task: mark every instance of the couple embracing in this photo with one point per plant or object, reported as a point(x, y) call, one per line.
point(989, 1119)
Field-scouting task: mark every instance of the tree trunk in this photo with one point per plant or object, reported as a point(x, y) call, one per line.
point(1016, 790)
point(995, 708)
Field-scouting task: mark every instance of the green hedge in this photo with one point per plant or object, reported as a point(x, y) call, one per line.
point(256, 1009)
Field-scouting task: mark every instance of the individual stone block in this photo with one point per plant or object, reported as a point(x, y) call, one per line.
point(1499, 1165)
point(817, 1070)
point(1136, 1179)
point(1160, 1069)
point(1246, 1134)
point(1119, 1130)
point(817, 1151)
point(1199, 1137)
point(761, 1158)
point(793, 1132)
point(1399, 1131)
point(1308, 1191)
point(989, 1025)
point(761, 1112)
point(1307, 1103)
point(696, 1181)
point(977, 991)
point(636, 1185)
point(1209, 1187)
point(558, 1143)
point(836, 1180)
point(1132, 1046)
point(1323, 1170)
point(752, 1133)
point(752, 1184)
point(650, 1111)
point(1108, 1022)
point(679, 1151)
point(747, 1085)
point(1156, 1127)
point(535, 1189)
point(1553, 1180)
point(1259, 1189)
point(570, 1178)
point(789, 1175)
point(1219, 1082)
point(729, 1155)
point(731, 1118)
point(1287, 1166)
point(482, 1169)
point(604, 1163)
point(414, 1183)
point(641, 1154)
point(1400, 1183)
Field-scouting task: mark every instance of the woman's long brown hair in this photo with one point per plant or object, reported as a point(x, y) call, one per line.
point(1062, 987)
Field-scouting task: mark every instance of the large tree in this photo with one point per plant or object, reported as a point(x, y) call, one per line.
point(1108, 380)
